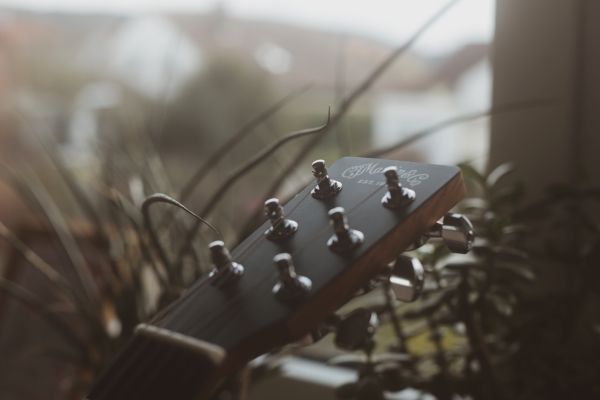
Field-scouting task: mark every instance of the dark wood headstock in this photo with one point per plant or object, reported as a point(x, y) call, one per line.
point(212, 330)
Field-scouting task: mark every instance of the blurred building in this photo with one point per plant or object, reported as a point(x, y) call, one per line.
point(160, 53)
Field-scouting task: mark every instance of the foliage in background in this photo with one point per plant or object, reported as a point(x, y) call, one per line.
point(137, 274)
point(473, 301)
point(496, 331)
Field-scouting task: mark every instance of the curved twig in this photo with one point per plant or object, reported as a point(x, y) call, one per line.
point(191, 184)
point(495, 110)
point(244, 169)
point(356, 93)
point(64, 234)
point(45, 269)
point(163, 198)
point(38, 305)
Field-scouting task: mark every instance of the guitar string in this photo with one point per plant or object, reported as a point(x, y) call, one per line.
point(273, 273)
point(260, 282)
point(105, 390)
point(157, 366)
point(181, 378)
point(239, 257)
point(274, 276)
point(195, 294)
point(298, 251)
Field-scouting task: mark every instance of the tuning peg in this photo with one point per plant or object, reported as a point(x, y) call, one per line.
point(290, 286)
point(406, 278)
point(344, 239)
point(397, 196)
point(326, 187)
point(355, 330)
point(280, 227)
point(456, 231)
point(222, 261)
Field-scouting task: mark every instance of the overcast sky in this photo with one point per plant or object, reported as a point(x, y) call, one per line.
point(391, 21)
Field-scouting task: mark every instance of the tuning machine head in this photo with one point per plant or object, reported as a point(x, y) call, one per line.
point(456, 231)
point(396, 196)
point(406, 278)
point(343, 239)
point(356, 329)
point(280, 227)
point(326, 186)
point(291, 286)
point(222, 260)
point(353, 331)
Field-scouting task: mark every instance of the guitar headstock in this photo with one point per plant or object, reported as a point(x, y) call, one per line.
point(299, 267)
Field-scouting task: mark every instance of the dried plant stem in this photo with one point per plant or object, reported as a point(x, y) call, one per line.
point(476, 340)
point(60, 226)
point(216, 156)
point(440, 357)
point(78, 193)
point(495, 110)
point(161, 198)
point(355, 94)
point(38, 305)
point(42, 266)
point(333, 121)
point(241, 171)
point(394, 318)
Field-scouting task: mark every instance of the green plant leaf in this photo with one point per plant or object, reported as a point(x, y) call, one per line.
point(501, 304)
point(349, 360)
point(498, 173)
point(507, 196)
point(474, 203)
point(471, 173)
point(431, 305)
point(520, 270)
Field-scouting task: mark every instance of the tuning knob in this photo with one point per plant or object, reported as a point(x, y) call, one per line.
point(280, 227)
point(326, 187)
point(406, 278)
point(397, 196)
point(355, 330)
point(222, 260)
point(456, 231)
point(344, 239)
point(291, 286)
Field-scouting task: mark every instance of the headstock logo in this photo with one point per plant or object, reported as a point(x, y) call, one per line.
point(412, 177)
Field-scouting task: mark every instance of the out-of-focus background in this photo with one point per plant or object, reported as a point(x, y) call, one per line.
point(103, 103)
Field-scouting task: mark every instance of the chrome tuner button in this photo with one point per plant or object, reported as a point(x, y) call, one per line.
point(280, 227)
point(356, 329)
point(222, 260)
point(343, 239)
point(326, 187)
point(406, 278)
point(396, 196)
point(456, 231)
point(291, 286)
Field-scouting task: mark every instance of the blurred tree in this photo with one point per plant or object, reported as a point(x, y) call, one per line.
point(214, 106)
